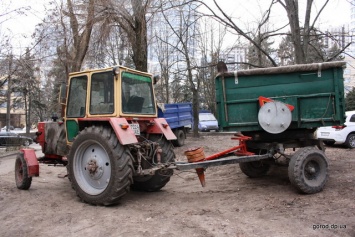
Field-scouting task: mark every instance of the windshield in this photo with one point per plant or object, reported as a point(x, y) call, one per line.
point(206, 117)
point(137, 94)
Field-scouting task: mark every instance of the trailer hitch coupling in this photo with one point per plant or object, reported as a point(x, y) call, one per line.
point(196, 155)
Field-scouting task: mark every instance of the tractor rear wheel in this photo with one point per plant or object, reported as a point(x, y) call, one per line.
point(23, 181)
point(152, 183)
point(99, 167)
point(308, 170)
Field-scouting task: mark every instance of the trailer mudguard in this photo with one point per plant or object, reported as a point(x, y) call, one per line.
point(32, 162)
point(124, 134)
point(161, 126)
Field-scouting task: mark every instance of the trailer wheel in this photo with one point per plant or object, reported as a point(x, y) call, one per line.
point(308, 170)
point(254, 169)
point(23, 181)
point(180, 135)
point(350, 141)
point(100, 168)
point(157, 181)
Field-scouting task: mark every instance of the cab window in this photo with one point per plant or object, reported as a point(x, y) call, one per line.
point(76, 105)
point(102, 93)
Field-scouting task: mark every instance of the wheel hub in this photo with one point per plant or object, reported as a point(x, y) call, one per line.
point(95, 171)
point(311, 169)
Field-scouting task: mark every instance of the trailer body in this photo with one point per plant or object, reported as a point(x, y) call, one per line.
point(179, 118)
point(315, 90)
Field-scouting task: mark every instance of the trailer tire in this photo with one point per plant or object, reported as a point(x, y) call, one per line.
point(254, 169)
point(181, 136)
point(23, 181)
point(99, 167)
point(350, 141)
point(308, 170)
point(157, 181)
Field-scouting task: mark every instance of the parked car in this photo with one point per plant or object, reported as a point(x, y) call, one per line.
point(4, 128)
point(207, 122)
point(14, 139)
point(344, 134)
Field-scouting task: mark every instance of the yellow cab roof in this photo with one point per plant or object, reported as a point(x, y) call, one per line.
point(122, 68)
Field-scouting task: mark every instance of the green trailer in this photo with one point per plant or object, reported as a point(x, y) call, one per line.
point(316, 91)
point(275, 112)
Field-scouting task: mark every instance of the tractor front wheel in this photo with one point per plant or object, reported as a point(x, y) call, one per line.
point(99, 167)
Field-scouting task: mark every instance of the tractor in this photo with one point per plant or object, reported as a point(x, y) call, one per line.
point(110, 138)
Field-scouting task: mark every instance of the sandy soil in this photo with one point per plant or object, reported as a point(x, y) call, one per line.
point(231, 204)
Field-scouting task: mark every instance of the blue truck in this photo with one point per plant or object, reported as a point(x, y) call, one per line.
point(179, 118)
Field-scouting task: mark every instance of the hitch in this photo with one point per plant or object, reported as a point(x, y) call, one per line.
point(197, 160)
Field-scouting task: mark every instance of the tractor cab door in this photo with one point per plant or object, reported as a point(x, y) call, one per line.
point(76, 104)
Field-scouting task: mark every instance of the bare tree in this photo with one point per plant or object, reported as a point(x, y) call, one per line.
point(163, 52)
point(228, 21)
point(7, 12)
point(184, 29)
point(9, 69)
point(108, 48)
point(26, 85)
point(81, 33)
point(210, 42)
point(301, 36)
point(131, 17)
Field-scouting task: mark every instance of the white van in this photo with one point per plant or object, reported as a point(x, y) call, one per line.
point(207, 122)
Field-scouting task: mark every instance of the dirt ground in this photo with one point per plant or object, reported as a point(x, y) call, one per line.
point(231, 204)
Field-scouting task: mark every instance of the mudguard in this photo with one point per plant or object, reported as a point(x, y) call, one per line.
point(162, 126)
point(32, 162)
point(125, 136)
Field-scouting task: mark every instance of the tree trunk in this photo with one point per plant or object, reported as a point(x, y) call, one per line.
point(140, 58)
point(81, 41)
point(291, 7)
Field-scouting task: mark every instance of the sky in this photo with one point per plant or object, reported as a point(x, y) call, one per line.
point(20, 27)
point(337, 13)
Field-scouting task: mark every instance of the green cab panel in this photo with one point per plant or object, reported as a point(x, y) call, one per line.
point(315, 90)
point(72, 128)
